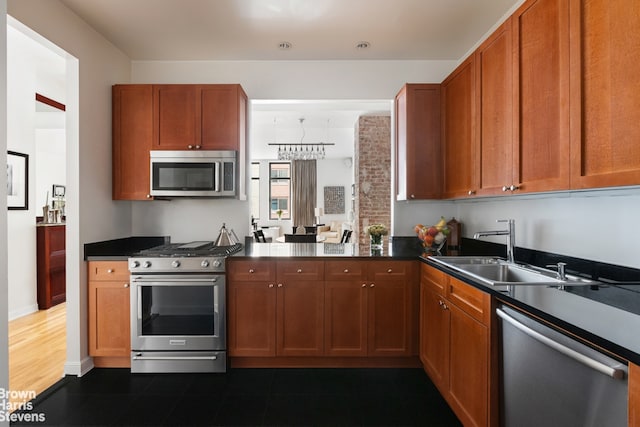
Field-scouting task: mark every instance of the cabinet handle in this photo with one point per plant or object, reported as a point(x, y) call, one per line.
point(505, 188)
point(148, 196)
point(271, 285)
point(514, 188)
point(251, 271)
point(346, 270)
point(126, 285)
point(279, 285)
point(413, 196)
point(364, 285)
point(440, 303)
point(372, 285)
point(109, 270)
point(471, 192)
point(299, 270)
point(198, 147)
point(190, 147)
point(389, 271)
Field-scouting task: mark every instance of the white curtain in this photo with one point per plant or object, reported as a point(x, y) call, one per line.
point(304, 180)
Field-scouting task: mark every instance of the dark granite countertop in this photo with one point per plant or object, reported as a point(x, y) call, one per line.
point(399, 248)
point(607, 316)
point(120, 249)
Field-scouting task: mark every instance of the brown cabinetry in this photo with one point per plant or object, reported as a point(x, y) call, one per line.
point(634, 395)
point(541, 58)
point(605, 86)
point(171, 117)
point(418, 159)
point(455, 345)
point(51, 256)
point(276, 308)
point(369, 308)
point(460, 156)
point(132, 138)
point(194, 117)
point(109, 315)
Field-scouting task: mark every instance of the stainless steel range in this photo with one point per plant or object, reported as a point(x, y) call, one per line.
point(178, 316)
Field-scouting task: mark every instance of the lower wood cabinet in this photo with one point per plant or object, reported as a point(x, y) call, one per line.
point(341, 308)
point(455, 345)
point(275, 308)
point(109, 315)
point(634, 395)
point(51, 256)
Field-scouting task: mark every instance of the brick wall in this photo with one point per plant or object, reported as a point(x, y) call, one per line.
point(372, 164)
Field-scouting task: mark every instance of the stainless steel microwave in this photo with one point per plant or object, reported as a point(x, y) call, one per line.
point(198, 173)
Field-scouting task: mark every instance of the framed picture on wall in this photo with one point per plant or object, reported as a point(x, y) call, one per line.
point(58, 190)
point(17, 181)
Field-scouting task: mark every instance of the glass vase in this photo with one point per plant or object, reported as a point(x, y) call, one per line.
point(376, 242)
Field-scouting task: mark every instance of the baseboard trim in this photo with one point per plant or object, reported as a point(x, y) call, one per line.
point(23, 311)
point(79, 368)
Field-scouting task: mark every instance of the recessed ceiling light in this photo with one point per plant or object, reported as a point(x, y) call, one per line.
point(363, 45)
point(284, 45)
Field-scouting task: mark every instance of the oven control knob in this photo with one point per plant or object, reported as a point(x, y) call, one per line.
point(204, 263)
point(135, 264)
point(175, 264)
point(146, 264)
point(217, 263)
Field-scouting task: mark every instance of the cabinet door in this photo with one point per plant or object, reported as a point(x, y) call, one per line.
point(418, 161)
point(459, 143)
point(541, 55)
point(345, 318)
point(605, 87)
point(495, 111)
point(51, 256)
point(176, 117)
point(131, 141)
point(252, 318)
point(109, 324)
point(299, 318)
point(222, 111)
point(468, 368)
point(389, 318)
point(434, 337)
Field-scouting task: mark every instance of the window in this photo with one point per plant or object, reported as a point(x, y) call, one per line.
point(280, 190)
point(255, 190)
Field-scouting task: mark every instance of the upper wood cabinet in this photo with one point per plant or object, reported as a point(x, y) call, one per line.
point(460, 157)
point(194, 117)
point(418, 160)
point(132, 122)
point(541, 72)
point(494, 97)
point(605, 89)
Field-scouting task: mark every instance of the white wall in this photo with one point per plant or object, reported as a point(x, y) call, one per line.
point(93, 66)
point(4, 276)
point(50, 164)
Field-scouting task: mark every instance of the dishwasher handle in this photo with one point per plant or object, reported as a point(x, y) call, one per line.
point(610, 371)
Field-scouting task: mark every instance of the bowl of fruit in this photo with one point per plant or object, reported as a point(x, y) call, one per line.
point(433, 237)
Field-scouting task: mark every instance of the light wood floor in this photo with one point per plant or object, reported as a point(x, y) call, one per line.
point(37, 349)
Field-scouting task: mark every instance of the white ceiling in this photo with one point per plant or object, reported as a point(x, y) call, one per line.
point(316, 29)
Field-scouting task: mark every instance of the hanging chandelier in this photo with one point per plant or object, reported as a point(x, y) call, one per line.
point(301, 150)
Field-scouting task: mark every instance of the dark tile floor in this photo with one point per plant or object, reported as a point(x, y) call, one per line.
point(253, 397)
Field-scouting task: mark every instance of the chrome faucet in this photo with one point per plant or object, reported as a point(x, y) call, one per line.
point(509, 232)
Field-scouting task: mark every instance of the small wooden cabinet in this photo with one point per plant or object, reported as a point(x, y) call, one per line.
point(605, 85)
point(199, 117)
point(109, 313)
point(132, 122)
point(51, 256)
point(455, 345)
point(418, 154)
point(369, 308)
point(275, 308)
point(460, 156)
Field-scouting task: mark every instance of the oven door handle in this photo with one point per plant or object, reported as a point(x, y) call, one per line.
point(141, 279)
point(175, 357)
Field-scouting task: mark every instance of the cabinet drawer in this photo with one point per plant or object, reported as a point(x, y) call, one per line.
point(384, 270)
point(300, 270)
point(344, 270)
point(108, 270)
point(252, 270)
point(472, 301)
point(433, 279)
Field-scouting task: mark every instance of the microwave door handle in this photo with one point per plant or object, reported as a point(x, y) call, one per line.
point(217, 173)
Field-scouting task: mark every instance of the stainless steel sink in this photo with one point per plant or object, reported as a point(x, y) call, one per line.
point(494, 271)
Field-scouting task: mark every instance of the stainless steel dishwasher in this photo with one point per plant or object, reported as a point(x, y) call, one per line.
point(549, 379)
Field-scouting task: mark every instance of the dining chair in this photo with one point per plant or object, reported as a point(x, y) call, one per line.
point(346, 236)
point(259, 236)
point(300, 238)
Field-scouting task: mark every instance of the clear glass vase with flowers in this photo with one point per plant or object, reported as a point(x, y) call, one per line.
point(375, 232)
